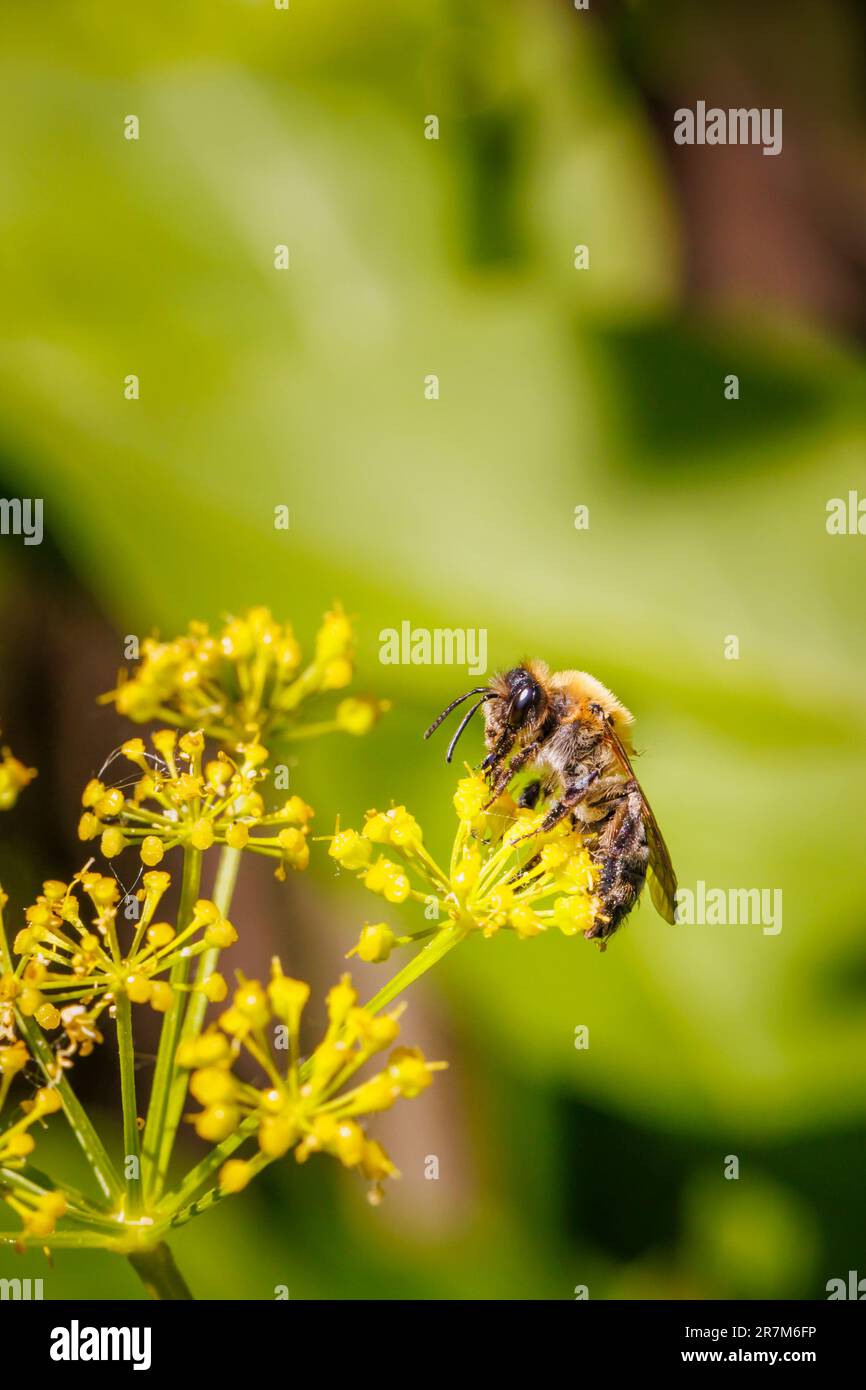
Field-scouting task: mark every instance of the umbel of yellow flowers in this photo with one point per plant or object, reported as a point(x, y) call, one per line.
point(501, 874)
point(309, 1108)
point(181, 799)
point(75, 956)
point(83, 957)
point(247, 680)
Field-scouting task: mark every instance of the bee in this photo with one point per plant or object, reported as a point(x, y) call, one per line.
point(575, 734)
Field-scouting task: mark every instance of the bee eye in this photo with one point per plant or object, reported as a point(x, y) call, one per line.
point(524, 702)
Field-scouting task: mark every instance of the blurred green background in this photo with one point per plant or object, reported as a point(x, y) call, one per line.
point(558, 388)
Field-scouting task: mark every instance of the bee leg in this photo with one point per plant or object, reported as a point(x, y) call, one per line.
point(501, 749)
point(569, 799)
point(502, 779)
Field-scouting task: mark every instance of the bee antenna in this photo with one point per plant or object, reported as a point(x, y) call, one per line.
point(462, 725)
point(479, 690)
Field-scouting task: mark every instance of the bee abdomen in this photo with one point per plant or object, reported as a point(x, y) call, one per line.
point(622, 854)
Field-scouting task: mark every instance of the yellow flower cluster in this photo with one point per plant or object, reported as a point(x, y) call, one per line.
point(14, 777)
point(247, 680)
point(66, 960)
point(306, 1108)
point(182, 800)
point(502, 872)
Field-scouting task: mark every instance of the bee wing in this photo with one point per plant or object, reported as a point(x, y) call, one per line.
point(660, 871)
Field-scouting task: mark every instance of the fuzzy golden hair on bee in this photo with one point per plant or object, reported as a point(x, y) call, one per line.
point(584, 693)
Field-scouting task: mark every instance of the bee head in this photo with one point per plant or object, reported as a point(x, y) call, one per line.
point(514, 703)
point(521, 702)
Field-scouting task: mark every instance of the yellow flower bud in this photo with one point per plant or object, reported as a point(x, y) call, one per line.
point(356, 716)
point(221, 934)
point(217, 1122)
point(375, 943)
point(406, 832)
point(110, 803)
point(204, 1051)
point(294, 847)
point(160, 934)
point(471, 797)
point(409, 1071)
point(215, 988)
point(235, 1175)
point(102, 890)
point(13, 1058)
point(139, 988)
point(161, 996)
point(251, 1002)
point(574, 914)
point(397, 886)
point(48, 1100)
point(212, 1085)
point(379, 1093)
point(334, 637)
point(156, 881)
point(47, 1016)
point(133, 749)
point(524, 921)
point(152, 852)
point(553, 855)
point(237, 641)
point(19, 1145)
point(337, 674)
point(377, 827)
point(376, 1164)
point(237, 835)
point(287, 996)
point(341, 998)
point(348, 1143)
point(88, 826)
point(92, 792)
point(466, 874)
point(218, 774)
point(113, 842)
point(29, 1000)
point(165, 742)
point(350, 849)
point(202, 836)
point(277, 1134)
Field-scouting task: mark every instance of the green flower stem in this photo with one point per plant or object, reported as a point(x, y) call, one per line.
point(160, 1275)
point(443, 942)
point(224, 887)
point(171, 1025)
point(131, 1137)
point(215, 1194)
point(78, 1119)
point(177, 1200)
point(60, 1240)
